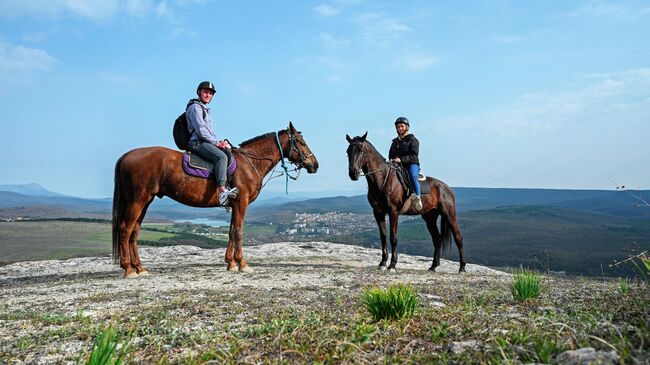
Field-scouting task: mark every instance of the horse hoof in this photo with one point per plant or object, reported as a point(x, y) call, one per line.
point(143, 273)
point(131, 275)
point(432, 269)
point(382, 267)
point(246, 269)
point(392, 270)
point(461, 270)
point(232, 267)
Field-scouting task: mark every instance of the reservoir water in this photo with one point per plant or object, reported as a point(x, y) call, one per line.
point(206, 221)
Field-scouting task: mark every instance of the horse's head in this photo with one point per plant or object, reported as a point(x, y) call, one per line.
point(355, 154)
point(299, 153)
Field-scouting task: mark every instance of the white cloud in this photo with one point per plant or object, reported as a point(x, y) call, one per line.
point(418, 62)
point(91, 9)
point(598, 8)
point(381, 29)
point(510, 38)
point(570, 138)
point(334, 79)
point(596, 99)
point(326, 10)
point(19, 63)
point(331, 41)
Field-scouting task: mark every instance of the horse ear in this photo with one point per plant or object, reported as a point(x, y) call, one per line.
point(363, 138)
point(348, 138)
point(291, 127)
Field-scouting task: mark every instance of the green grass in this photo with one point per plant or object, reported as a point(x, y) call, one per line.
point(333, 326)
point(526, 286)
point(396, 302)
point(110, 348)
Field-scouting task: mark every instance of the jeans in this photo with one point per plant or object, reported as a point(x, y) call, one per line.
point(213, 154)
point(414, 171)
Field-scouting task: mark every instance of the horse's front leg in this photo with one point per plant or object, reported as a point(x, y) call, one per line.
point(381, 223)
point(234, 251)
point(394, 219)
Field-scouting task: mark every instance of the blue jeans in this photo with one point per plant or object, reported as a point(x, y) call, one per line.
point(213, 154)
point(414, 171)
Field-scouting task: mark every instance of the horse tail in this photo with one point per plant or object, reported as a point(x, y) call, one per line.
point(118, 211)
point(445, 231)
point(448, 209)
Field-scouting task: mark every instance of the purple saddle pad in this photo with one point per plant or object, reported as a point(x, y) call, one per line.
point(195, 165)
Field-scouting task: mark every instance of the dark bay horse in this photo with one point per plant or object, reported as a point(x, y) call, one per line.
point(386, 196)
point(145, 173)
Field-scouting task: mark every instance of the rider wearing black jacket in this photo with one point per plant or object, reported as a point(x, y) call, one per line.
point(404, 151)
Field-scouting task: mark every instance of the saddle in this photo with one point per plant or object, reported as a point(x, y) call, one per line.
point(405, 180)
point(195, 165)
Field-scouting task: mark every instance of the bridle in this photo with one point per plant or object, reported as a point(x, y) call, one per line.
point(293, 147)
point(386, 165)
point(293, 140)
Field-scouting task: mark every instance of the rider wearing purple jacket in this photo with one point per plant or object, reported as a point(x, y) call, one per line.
point(203, 140)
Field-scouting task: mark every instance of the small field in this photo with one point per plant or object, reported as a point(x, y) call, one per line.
point(55, 240)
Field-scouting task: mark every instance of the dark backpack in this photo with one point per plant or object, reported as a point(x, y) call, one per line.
point(181, 131)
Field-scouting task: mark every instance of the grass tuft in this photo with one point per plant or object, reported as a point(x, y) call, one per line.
point(526, 285)
point(109, 348)
point(397, 302)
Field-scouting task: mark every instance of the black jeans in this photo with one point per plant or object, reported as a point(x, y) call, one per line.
point(213, 154)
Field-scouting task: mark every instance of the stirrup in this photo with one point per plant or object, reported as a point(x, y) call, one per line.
point(421, 177)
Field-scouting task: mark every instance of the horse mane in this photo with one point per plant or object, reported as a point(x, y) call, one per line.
point(373, 149)
point(255, 139)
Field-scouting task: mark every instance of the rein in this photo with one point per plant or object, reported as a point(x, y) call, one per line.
point(287, 171)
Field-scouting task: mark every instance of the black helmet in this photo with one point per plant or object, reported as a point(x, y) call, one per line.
point(205, 85)
point(402, 120)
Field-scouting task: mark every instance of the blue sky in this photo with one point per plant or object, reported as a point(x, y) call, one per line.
point(541, 94)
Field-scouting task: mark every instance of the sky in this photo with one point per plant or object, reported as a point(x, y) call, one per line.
point(503, 94)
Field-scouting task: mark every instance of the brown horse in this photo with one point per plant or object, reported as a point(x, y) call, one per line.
point(145, 173)
point(386, 196)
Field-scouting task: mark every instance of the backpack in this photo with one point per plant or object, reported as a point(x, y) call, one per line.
point(181, 131)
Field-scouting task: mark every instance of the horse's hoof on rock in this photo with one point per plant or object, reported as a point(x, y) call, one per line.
point(382, 268)
point(131, 275)
point(392, 270)
point(246, 269)
point(143, 273)
point(232, 268)
point(432, 269)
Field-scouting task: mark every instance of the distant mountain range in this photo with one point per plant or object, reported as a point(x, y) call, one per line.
point(608, 202)
point(577, 231)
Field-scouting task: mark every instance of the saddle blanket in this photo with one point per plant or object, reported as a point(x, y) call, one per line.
point(405, 180)
point(195, 165)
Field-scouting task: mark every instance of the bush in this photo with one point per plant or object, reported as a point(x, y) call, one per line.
point(396, 302)
point(526, 285)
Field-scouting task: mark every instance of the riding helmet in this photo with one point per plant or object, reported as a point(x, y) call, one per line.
point(402, 120)
point(205, 85)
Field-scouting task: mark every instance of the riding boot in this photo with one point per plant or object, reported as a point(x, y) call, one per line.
point(417, 201)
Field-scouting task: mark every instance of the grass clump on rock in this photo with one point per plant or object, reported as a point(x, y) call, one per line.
point(526, 285)
point(394, 303)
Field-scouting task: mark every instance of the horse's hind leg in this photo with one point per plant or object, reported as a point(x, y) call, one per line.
point(394, 220)
point(127, 226)
point(133, 242)
point(458, 238)
point(430, 219)
point(381, 223)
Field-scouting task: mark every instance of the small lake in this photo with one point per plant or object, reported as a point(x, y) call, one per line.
point(206, 221)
